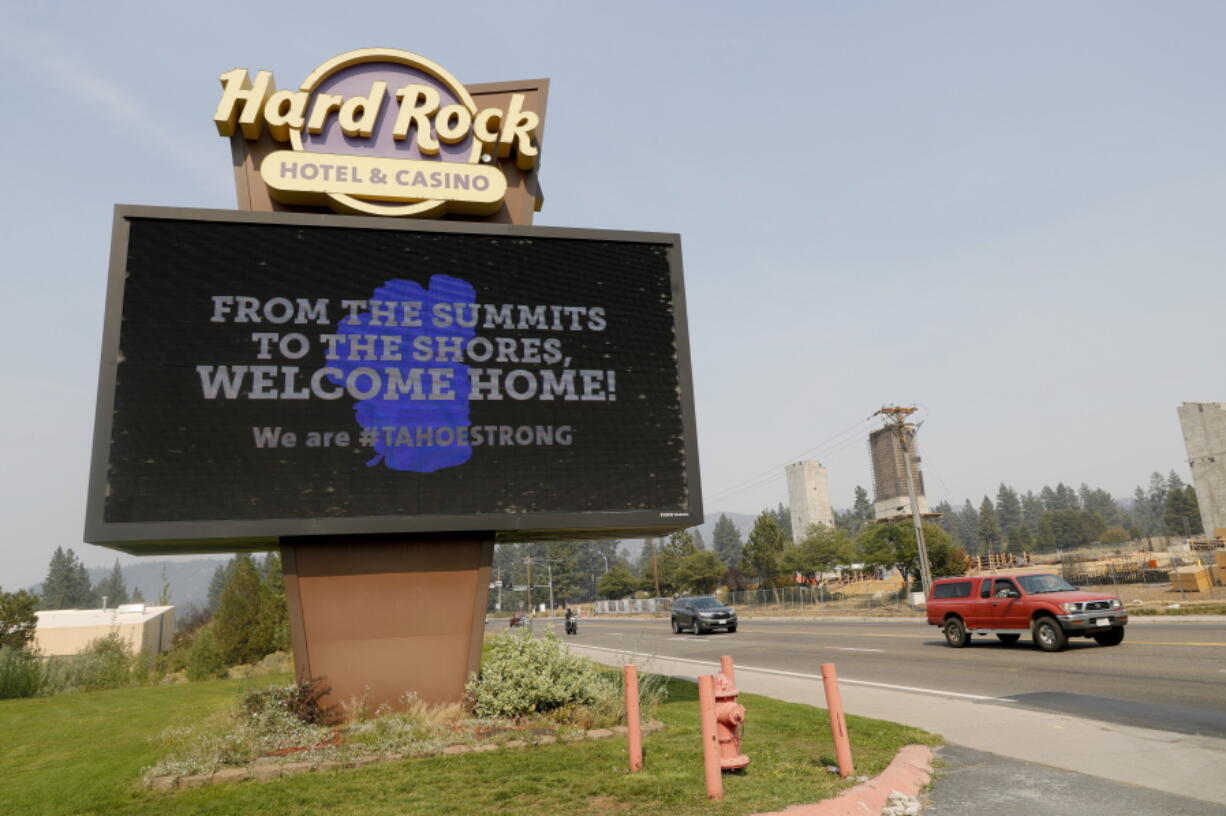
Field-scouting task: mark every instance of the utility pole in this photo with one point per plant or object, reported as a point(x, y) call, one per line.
point(896, 419)
point(531, 606)
point(550, 568)
point(655, 566)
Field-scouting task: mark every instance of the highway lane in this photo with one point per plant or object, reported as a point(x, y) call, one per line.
point(1169, 676)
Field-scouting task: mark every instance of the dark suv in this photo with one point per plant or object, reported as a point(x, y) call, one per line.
point(702, 613)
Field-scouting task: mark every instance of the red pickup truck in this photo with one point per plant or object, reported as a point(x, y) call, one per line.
point(1046, 606)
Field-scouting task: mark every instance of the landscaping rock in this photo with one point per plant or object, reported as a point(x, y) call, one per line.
point(194, 781)
point(548, 739)
point(163, 784)
point(457, 749)
point(328, 765)
point(489, 746)
point(514, 744)
point(229, 775)
point(599, 733)
point(620, 730)
point(369, 759)
point(291, 768)
point(266, 771)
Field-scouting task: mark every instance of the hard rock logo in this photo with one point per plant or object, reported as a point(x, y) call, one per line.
point(383, 132)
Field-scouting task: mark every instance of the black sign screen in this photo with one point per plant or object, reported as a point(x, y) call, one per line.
point(297, 369)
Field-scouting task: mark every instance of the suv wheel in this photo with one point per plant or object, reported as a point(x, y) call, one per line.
point(955, 633)
point(1048, 635)
point(1113, 638)
point(676, 627)
point(698, 628)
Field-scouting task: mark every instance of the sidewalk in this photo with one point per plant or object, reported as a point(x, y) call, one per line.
point(1159, 761)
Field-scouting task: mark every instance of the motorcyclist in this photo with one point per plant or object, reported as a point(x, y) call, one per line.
point(572, 626)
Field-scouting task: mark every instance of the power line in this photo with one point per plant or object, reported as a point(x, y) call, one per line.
point(826, 448)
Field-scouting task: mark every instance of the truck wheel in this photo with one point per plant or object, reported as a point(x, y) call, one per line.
point(1048, 635)
point(676, 627)
point(955, 633)
point(1008, 640)
point(1113, 638)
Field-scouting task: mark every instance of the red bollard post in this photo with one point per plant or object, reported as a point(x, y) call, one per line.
point(838, 725)
point(634, 733)
point(726, 668)
point(710, 739)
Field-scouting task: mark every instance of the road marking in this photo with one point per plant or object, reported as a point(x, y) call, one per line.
point(1176, 643)
point(850, 649)
point(805, 676)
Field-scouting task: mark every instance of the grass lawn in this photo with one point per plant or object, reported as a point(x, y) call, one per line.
point(83, 753)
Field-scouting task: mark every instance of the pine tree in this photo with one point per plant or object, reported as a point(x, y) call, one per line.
point(989, 528)
point(241, 636)
point(274, 611)
point(81, 593)
point(862, 508)
point(1182, 514)
point(55, 585)
point(761, 553)
point(1156, 495)
point(783, 518)
point(1032, 511)
point(112, 588)
point(727, 541)
point(1008, 507)
point(67, 583)
point(221, 576)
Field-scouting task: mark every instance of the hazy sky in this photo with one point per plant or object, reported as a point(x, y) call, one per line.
point(1008, 213)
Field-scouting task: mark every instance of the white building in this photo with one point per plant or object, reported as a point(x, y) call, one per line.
point(69, 631)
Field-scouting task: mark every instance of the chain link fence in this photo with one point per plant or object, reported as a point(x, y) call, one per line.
point(822, 600)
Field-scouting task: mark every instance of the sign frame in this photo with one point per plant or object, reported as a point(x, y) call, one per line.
point(228, 535)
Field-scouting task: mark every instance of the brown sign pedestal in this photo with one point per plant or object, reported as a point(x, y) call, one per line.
point(382, 616)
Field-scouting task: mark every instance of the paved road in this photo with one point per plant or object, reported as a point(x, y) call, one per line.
point(1166, 676)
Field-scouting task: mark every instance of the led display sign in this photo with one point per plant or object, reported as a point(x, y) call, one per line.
point(271, 375)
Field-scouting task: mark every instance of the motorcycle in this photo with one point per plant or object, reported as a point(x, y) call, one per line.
point(572, 626)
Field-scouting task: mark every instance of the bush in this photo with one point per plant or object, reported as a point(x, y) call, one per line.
point(524, 675)
point(204, 660)
point(104, 664)
point(21, 673)
point(301, 701)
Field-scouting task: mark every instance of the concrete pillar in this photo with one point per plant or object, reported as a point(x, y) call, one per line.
point(809, 497)
point(1204, 435)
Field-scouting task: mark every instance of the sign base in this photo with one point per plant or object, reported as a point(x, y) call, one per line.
point(383, 616)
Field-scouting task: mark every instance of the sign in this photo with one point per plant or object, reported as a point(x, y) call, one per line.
point(381, 131)
point(269, 375)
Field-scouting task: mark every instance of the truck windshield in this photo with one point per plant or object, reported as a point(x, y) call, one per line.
point(1036, 584)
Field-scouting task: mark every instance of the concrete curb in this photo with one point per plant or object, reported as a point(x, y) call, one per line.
point(907, 774)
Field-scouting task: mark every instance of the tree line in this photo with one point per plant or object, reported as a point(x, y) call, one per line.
point(67, 586)
point(1061, 517)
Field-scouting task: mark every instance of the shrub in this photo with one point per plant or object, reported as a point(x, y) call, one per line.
point(301, 701)
point(525, 675)
point(204, 660)
point(21, 673)
point(104, 664)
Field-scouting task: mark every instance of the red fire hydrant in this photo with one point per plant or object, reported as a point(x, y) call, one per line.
point(729, 716)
